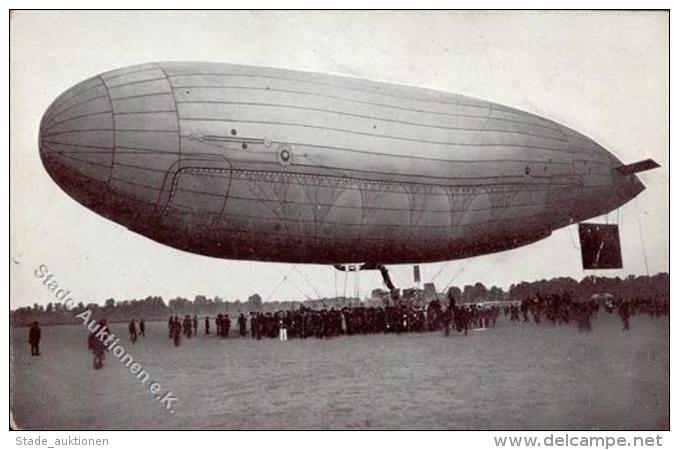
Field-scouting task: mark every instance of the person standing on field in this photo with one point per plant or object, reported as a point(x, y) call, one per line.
point(34, 335)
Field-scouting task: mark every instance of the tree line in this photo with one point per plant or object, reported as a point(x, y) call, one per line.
point(155, 307)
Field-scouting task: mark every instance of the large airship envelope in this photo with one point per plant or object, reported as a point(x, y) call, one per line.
point(277, 165)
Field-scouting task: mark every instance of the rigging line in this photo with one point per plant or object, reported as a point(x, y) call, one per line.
point(344, 295)
point(641, 236)
point(443, 266)
point(403, 283)
point(309, 283)
point(464, 264)
point(570, 235)
point(280, 284)
point(356, 285)
point(374, 282)
point(301, 291)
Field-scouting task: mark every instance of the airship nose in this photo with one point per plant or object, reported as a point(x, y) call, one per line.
point(76, 141)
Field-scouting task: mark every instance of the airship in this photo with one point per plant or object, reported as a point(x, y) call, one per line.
point(265, 164)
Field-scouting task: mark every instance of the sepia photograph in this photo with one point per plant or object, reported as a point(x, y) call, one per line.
point(340, 220)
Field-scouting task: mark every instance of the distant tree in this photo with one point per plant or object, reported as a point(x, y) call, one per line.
point(254, 302)
point(454, 293)
point(480, 292)
point(468, 293)
point(496, 294)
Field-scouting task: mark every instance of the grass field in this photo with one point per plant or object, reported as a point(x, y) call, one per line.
point(515, 376)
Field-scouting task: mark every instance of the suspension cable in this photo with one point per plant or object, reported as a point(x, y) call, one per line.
point(280, 284)
point(309, 283)
point(344, 295)
point(464, 264)
point(641, 236)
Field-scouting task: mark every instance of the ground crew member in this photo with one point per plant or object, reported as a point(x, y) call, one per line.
point(34, 335)
point(133, 331)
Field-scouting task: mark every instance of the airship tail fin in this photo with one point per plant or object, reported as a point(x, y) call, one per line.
point(639, 166)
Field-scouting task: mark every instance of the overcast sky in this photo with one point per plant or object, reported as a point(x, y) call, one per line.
point(604, 74)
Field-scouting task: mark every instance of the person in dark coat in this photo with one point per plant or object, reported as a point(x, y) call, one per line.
point(176, 331)
point(97, 346)
point(219, 324)
point(133, 331)
point(447, 318)
point(242, 324)
point(34, 335)
point(188, 328)
point(207, 325)
point(625, 313)
point(142, 327)
point(226, 325)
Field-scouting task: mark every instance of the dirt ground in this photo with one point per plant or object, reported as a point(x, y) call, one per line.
point(515, 376)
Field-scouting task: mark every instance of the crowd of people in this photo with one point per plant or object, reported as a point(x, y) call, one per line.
point(637, 306)
point(305, 322)
point(188, 327)
point(555, 308)
point(132, 327)
point(558, 309)
point(327, 323)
